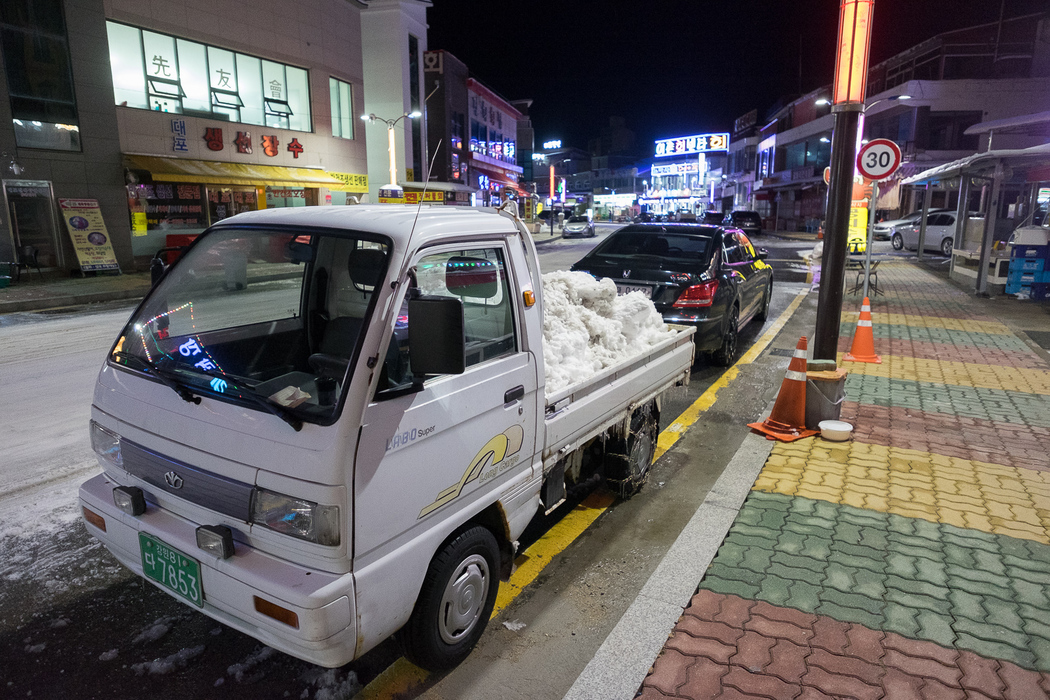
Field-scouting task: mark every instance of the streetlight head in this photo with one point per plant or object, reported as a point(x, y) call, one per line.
point(415, 115)
point(902, 97)
point(367, 117)
point(822, 101)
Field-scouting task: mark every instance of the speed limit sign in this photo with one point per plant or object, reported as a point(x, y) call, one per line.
point(878, 159)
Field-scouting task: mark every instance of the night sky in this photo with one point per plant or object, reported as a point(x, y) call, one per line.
point(671, 67)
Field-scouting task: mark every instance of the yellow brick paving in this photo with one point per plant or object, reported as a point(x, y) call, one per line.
point(992, 498)
point(1032, 381)
point(951, 324)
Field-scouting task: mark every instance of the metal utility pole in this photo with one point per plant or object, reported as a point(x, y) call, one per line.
point(836, 230)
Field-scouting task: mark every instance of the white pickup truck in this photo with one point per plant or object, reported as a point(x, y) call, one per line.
point(327, 425)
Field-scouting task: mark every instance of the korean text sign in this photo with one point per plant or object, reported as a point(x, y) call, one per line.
point(88, 232)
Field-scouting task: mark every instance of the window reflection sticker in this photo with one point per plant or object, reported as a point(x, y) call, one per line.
point(191, 350)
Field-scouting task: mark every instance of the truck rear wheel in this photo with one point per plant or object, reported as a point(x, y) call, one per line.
point(456, 602)
point(627, 460)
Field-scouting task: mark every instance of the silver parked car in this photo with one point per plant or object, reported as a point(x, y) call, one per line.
point(578, 226)
point(940, 234)
point(884, 230)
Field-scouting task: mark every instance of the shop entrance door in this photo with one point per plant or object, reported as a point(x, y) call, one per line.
point(31, 211)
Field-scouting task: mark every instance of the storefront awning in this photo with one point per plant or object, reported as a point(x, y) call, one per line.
point(218, 173)
point(980, 162)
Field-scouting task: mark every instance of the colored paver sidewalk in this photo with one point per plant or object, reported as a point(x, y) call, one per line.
point(910, 562)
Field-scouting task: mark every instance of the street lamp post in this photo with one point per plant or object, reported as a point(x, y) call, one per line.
point(390, 124)
point(851, 73)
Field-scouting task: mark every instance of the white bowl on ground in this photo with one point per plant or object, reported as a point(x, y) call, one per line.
point(835, 430)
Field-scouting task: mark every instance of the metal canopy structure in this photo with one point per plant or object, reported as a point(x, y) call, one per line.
point(994, 166)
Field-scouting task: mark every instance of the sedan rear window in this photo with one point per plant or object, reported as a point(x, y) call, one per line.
point(740, 217)
point(664, 245)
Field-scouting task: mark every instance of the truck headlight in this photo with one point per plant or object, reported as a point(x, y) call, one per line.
point(106, 444)
point(296, 517)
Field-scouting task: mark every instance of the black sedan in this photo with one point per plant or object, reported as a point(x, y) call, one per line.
point(710, 277)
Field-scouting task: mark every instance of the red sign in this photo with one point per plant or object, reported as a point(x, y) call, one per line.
point(213, 137)
point(270, 144)
point(879, 159)
point(244, 142)
point(295, 147)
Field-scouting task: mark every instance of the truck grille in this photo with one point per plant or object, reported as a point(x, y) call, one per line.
point(203, 488)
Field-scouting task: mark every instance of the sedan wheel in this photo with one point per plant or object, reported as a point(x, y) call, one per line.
point(946, 247)
point(897, 242)
point(725, 355)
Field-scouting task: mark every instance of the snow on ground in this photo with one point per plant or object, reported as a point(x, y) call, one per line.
point(587, 327)
point(160, 667)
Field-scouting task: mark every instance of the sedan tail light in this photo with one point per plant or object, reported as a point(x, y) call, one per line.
point(698, 295)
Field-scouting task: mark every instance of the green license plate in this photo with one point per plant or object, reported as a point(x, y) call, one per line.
point(171, 569)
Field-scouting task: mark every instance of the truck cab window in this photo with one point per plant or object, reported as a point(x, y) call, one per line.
point(479, 278)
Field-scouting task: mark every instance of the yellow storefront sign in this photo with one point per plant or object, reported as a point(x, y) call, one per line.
point(88, 232)
point(352, 182)
point(429, 196)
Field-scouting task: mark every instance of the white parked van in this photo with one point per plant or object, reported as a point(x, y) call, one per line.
point(327, 425)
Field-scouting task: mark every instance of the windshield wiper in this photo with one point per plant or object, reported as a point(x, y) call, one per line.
point(165, 378)
point(246, 392)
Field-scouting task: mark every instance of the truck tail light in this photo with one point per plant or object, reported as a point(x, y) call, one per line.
point(698, 295)
point(276, 612)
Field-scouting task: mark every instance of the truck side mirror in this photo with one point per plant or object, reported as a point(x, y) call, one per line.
point(436, 344)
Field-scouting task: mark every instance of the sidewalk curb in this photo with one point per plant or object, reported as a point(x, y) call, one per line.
point(50, 302)
point(625, 657)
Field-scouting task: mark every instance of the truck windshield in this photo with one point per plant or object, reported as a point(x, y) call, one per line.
point(269, 319)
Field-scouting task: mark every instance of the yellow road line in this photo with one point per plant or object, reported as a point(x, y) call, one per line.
point(402, 676)
point(1030, 381)
point(993, 498)
point(682, 423)
point(532, 561)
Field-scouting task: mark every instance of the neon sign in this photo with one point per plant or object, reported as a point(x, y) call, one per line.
point(552, 144)
point(700, 143)
point(675, 168)
point(218, 385)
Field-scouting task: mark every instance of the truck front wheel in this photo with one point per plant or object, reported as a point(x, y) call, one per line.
point(456, 602)
point(627, 460)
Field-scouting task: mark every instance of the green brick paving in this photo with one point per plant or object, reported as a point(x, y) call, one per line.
point(896, 331)
point(970, 402)
point(960, 588)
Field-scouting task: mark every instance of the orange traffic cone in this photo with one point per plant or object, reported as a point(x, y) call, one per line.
point(787, 422)
point(863, 348)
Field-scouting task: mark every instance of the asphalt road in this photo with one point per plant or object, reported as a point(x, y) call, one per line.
point(75, 624)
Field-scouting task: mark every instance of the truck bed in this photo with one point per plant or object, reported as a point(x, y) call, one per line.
point(584, 410)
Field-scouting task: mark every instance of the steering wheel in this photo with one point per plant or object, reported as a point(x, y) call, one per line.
point(328, 365)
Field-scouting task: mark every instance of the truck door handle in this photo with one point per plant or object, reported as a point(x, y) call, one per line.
point(513, 394)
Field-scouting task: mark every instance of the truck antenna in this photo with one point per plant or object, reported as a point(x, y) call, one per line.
point(422, 196)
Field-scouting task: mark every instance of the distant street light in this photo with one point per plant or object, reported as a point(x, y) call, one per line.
point(390, 123)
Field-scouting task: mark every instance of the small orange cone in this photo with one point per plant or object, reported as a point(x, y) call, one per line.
point(787, 422)
point(863, 347)
point(820, 232)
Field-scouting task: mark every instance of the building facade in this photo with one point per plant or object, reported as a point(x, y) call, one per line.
point(176, 116)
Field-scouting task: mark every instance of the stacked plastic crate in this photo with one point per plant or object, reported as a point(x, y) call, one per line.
point(1029, 276)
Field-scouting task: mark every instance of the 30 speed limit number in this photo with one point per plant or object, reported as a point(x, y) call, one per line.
point(878, 159)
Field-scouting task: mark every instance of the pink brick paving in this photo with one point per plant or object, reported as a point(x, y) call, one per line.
point(727, 647)
point(1011, 444)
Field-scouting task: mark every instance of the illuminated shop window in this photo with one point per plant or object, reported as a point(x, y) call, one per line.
point(342, 108)
point(167, 74)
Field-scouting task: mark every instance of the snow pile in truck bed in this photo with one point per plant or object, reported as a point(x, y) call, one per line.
point(587, 327)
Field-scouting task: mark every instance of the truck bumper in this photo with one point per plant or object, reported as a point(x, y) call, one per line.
point(323, 603)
